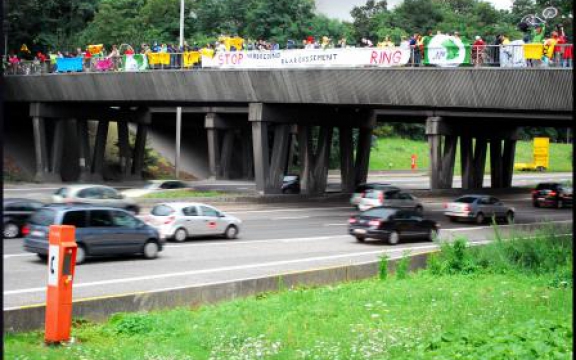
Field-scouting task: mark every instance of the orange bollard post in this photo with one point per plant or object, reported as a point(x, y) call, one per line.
point(413, 160)
point(61, 266)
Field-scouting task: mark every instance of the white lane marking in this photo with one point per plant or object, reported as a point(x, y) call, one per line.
point(290, 218)
point(286, 240)
point(220, 269)
point(287, 210)
point(18, 255)
point(344, 224)
point(28, 189)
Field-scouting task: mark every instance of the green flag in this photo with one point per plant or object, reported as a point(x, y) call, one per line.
point(136, 62)
point(446, 51)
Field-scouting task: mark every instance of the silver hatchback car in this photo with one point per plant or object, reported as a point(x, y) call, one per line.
point(390, 198)
point(478, 208)
point(179, 221)
point(98, 195)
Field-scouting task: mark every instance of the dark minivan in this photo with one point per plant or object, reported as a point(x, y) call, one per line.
point(392, 224)
point(100, 231)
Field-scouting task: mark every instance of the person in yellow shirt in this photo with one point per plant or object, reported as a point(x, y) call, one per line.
point(386, 43)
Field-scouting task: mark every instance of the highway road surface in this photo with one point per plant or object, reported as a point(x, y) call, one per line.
point(418, 180)
point(273, 240)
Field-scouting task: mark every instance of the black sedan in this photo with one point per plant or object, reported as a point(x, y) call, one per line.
point(392, 224)
point(552, 194)
point(16, 213)
point(291, 184)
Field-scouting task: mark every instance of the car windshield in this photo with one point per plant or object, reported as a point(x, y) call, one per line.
point(372, 195)
point(466, 200)
point(382, 213)
point(290, 178)
point(162, 210)
point(43, 217)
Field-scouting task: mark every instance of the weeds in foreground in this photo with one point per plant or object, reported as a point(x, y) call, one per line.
point(383, 267)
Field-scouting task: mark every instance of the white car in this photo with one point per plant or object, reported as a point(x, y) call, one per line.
point(390, 198)
point(98, 195)
point(155, 186)
point(179, 221)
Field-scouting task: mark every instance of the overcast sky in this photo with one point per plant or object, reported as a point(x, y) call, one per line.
point(340, 9)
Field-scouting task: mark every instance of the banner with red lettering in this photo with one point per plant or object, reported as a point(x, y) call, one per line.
point(284, 59)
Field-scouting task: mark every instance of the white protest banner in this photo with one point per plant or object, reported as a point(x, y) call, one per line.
point(446, 51)
point(287, 59)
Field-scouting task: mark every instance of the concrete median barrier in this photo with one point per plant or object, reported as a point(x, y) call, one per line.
point(101, 308)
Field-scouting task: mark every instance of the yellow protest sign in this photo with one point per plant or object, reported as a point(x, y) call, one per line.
point(95, 49)
point(207, 52)
point(191, 58)
point(158, 58)
point(533, 51)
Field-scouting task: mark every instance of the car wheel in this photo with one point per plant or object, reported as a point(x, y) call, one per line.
point(419, 209)
point(452, 219)
point(433, 235)
point(180, 235)
point(231, 232)
point(480, 219)
point(360, 238)
point(393, 238)
point(43, 257)
point(560, 204)
point(11, 230)
point(80, 255)
point(151, 250)
point(536, 204)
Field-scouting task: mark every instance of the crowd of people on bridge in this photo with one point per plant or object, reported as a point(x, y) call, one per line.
point(557, 49)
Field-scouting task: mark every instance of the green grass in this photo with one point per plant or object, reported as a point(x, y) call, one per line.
point(182, 194)
point(477, 312)
point(398, 152)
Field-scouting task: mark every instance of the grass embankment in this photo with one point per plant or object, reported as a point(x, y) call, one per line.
point(182, 194)
point(510, 300)
point(398, 152)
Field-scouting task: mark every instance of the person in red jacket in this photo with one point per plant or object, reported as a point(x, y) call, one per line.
point(478, 51)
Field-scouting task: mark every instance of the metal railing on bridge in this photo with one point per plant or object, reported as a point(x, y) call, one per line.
point(508, 56)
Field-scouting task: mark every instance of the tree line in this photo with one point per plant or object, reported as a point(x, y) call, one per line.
point(68, 24)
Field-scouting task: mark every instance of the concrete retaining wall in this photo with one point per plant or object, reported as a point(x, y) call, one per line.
point(99, 309)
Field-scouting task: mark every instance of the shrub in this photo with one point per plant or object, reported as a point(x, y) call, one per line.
point(402, 266)
point(383, 267)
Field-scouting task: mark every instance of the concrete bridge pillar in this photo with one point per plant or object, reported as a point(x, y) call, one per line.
point(271, 133)
point(100, 151)
point(84, 158)
point(442, 143)
point(224, 131)
point(502, 161)
point(43, 169)
point(314, 162)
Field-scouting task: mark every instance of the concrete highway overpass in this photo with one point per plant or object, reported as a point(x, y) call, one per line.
point(245, 123)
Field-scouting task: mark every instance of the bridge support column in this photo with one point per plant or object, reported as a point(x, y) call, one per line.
point(502, 162)
point(139, 150)
point(347, 169)
point(247, 155)
point(442, 143)
point(84, 159)
point(124, 148)
point(100, 150)
point(57, 147)
point(314, 164)
point(43, 173)
point(270, 153)
point(224, 131)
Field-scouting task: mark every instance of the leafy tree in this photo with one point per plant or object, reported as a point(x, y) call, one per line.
point(116, 22)
point(280, 19)
point(363, 17)
point(43, 24)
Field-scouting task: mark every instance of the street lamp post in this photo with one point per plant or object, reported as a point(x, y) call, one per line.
point(179, 108)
